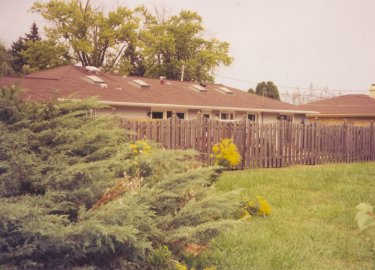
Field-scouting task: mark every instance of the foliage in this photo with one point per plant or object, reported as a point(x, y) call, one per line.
point(97, 39)
point(257, 207)
point(365, 216)
point(20, 45)
point(135, 42)
point(176, 43)
point(66, 203)
point(30, 53)
point(226, 153)
point(251, 91)
point(5, 62)
point(269, 89)
point(43, 54)
point(160, 258)
point(10, 105)
point(34, 33)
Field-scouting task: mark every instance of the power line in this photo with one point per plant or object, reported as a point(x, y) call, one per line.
point(294, 87)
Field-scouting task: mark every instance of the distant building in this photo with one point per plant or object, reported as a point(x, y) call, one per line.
point(357, 109)
point(145, 98)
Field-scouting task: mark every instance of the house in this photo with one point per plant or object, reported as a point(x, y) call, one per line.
point(145, 98)
point(356, 109)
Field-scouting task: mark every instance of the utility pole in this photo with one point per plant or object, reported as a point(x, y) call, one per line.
point(182, 72)
point(264, 89)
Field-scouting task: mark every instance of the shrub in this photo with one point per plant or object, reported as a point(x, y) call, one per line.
point(226, 154)
point(160, 258)
point(66, 203)
point(257, 207)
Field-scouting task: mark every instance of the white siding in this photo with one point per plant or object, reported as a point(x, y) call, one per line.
point(269, 118)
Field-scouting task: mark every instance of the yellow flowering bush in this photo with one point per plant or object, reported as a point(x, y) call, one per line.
point(257, 207)
point(180, 266)
point(226, 153)
point(140, 147)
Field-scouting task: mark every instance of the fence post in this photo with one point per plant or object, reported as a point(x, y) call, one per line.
point(244, 143)
point(281, 129)
point(346, 152)
point(173, 130)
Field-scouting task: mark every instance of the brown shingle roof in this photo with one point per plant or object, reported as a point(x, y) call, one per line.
point(346, 105)
point(71, 82)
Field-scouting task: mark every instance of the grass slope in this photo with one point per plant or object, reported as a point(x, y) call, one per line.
point(312, 224)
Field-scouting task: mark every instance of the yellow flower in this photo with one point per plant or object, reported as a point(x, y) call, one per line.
point(179, 266)
point(226, 153)
point(210, 268)
point(257, 207)
point(140, 147)
point(264, 207)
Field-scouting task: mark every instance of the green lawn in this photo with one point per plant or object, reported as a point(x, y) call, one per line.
point(312, 221)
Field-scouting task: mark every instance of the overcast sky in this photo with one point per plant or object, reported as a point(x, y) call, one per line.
point(294, 43)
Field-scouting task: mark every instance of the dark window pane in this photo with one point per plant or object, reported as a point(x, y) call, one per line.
point(157, 115)
point(180, 115)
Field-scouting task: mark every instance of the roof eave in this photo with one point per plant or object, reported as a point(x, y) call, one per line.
point(342, 115)
point(139, 104)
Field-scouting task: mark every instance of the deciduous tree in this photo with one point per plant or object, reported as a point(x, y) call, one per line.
point(96, 38)
point(177, 43)
point(43, 54)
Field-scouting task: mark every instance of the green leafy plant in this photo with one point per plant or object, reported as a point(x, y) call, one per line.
point(226, 154)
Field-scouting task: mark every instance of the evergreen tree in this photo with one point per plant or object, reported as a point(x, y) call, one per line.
point(5, 62)
point(268, 89)
point(66, 202)
point(15, 51)
point(22, 44)
point(34, 33)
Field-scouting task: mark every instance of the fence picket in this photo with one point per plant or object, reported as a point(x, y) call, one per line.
point(262, 145)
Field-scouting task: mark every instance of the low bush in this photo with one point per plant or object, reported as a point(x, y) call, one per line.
point(226, 154)
point(75, 192)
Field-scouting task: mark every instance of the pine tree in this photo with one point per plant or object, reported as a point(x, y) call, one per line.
point(20, 45)
point(34, 33)
point(5, 62)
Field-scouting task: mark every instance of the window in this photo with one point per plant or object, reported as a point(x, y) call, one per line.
point(199, 88)
point(283, 117)
point(226, 116)
point(251, 117)
point(180, 115)
point(157, 115)
point(225, 90)
point(95, 79)
point(141, 83)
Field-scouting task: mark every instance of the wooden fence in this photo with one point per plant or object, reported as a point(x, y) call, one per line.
point(268, 145)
